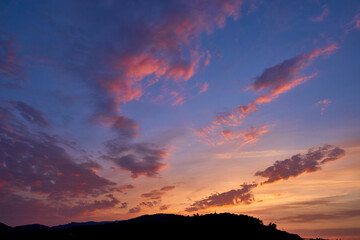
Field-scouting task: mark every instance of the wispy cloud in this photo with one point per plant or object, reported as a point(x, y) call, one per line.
point(322, 16)
point(204, 88)
point(354, 23)
point(10, 62)
point(323, 104)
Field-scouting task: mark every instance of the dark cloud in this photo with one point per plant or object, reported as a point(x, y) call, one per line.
point(57, 181)
point(30, 114)
point(157, 194)
point(124, 127)
point(19, 210)
point(138, 158)
point(36, 162)
point(301, 163)
point(281, 170)
point(233, 197)
point(136, 209)
point(153, 199)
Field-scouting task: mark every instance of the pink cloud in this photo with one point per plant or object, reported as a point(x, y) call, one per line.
point(179, 101)
point(253, 133)
point(161, 53)
point(9, 59)
point(322, 16)
point(204, 88)
point(354, 23)
point(273, 82)
point(284, 76)
point(323, 104)
point(214, 135)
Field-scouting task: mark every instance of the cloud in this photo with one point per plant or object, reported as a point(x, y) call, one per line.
point(323, 104)
point(323, 15)
point(312, 217)
point(354, 23)
point(272, 82)
point(251, 135)
point(233, 197)
point(157, 194)
point(167, 44)
point(41, 167)
point(10, 63)
point(179, 101)
point(138, 158)
point(125, 127)
point(153, 199)
point(301, 163)
point(19, 210)
point(204, 88)
point(281, 170)
point(30, 114)
point(283, 77)
point(41, 163)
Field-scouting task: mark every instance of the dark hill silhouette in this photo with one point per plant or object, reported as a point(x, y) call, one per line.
point(158, 226)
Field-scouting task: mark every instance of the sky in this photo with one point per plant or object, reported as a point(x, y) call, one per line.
point(115, 109)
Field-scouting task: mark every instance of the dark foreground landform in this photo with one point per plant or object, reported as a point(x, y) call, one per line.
point(158, 226)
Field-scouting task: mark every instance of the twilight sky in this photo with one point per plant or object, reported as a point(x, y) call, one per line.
point(114, 109)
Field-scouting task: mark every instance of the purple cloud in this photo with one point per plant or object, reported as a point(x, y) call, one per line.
point(301, 163)
point(30, 114)
point(9, 59)
point(233, 197)
point(39, 165)
point(153, 199)
point(281, 170)
point(138, 158)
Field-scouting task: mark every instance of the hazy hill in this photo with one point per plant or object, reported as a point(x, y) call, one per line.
point(158, 226)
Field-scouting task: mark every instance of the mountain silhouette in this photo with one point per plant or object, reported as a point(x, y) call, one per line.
point(157, 226)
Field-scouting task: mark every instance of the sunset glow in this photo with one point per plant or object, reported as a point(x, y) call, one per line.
point(115, 109)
